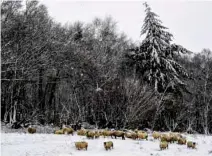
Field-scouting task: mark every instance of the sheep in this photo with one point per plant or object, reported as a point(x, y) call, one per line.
point(156, 135)
point(139, 131)
point(179, 135)
point(81, 132)
point(174, 137)
point(82, 144)
point(132, 135)
point(165, 137)
point(96, 135)
point(90, 134)
point(59, 131)
point(164, 145)
point(68, 131)
point(191, 144)
point(182, 141)
point(118, 134)
point(108, 145)
point(106, 133)
point(142, 135)
point(128, 135)
point(31, 130)
point(101, 133)
point(136, 130)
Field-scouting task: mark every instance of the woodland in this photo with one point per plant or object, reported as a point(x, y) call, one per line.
point(89, 72)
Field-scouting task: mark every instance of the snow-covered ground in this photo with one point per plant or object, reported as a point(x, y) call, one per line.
point(16, 144)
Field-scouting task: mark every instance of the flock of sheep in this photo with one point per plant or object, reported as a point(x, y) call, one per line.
point(165, 138)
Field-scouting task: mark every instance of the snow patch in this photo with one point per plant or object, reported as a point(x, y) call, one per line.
point(20, 144)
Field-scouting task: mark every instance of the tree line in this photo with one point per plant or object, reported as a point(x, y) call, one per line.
point(54, 73)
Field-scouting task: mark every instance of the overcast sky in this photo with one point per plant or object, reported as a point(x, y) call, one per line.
point(189, 21)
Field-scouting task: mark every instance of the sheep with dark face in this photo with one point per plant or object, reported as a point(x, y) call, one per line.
point(81, 132)
point(108, 145)
point(174, 137)
point(68, 131)
point(31, 130)
point(191, 144)
point(81, 145)
point(101, 133)
point(118, 134)
point(156, 135)
point(179, 135)
point(142, 135)
point(165, 137)
point(134, 136)
point(59, 131)
point(90, 134)
point(136, 130)
point(164, 145)
point(96, 135)
point(106, 133)
point(128, 135)
point(182, 141)
point(131, 135)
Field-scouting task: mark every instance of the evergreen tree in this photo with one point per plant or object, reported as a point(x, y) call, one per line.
point(155, 58)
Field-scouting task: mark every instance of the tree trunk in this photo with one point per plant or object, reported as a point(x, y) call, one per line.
point(41, 100)
point(206, 130)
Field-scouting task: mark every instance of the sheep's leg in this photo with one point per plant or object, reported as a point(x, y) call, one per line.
point(123, 138)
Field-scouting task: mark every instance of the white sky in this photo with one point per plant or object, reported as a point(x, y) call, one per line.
point(189, 21)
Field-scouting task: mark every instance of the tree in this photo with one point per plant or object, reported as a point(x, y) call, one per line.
point(201, 89)
point(25, 43)
point(154, 58)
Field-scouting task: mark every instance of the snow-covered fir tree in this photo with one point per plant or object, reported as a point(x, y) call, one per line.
point(155, 58)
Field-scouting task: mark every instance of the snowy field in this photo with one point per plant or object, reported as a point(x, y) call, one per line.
point(16, 144)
